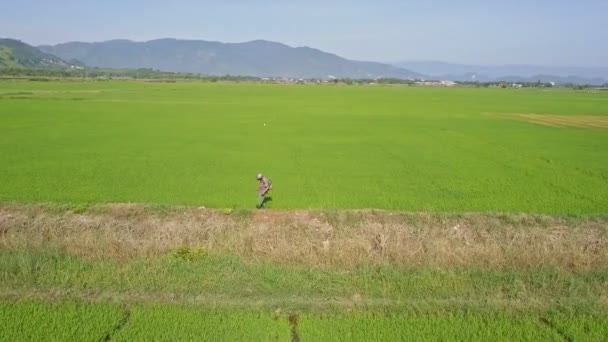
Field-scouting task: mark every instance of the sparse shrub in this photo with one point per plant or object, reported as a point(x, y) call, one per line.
point(80, 208)
point(189, 254)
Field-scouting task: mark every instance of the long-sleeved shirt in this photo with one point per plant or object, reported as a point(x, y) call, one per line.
point(264, 186)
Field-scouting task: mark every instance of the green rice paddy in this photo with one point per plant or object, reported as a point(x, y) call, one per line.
point(390, 147)
point(73, 321)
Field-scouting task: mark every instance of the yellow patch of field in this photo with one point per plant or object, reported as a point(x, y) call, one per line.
point(561, 121)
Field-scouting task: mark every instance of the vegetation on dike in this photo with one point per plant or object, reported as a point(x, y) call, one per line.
point(346, 238)
point(233, 282)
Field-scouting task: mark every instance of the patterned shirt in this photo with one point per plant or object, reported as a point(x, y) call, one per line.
point(264, 186)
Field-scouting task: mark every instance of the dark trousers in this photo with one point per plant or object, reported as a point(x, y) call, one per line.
point(261, 200)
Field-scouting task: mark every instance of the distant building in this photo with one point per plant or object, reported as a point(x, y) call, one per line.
point(436, 83)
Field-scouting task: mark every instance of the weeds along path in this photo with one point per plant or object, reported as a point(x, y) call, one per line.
point(303, 303)
point(312, 238)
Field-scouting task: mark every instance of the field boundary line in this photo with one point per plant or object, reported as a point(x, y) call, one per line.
point(124, 320)
point(295, 331)
point(555, 328)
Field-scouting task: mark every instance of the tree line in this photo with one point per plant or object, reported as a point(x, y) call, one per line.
point(42, 74)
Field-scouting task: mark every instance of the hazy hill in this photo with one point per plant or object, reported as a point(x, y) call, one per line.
point(16, 54)
point(524, 73)
point(255, 58)
point(262, 58)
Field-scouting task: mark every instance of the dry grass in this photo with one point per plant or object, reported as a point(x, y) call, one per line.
point(341, 238)
point(560, 121)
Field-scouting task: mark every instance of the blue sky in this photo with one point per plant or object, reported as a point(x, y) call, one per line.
point(546, 32)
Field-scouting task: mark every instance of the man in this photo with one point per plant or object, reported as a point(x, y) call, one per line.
point(263, 189)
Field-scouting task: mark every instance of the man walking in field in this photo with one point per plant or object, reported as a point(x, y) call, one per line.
point(263, 189)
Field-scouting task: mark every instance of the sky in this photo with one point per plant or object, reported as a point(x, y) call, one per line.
point(540, 32)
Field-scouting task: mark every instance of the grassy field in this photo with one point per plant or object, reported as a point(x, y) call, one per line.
point(403, 148)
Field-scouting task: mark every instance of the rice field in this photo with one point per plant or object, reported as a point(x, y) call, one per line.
point(332, 147)
point(67, 321)
point(436, 327)
point(71, 321)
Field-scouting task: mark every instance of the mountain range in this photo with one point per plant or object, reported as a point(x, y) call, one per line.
point(514, 73)
point(262, 58)
point(257, 58)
